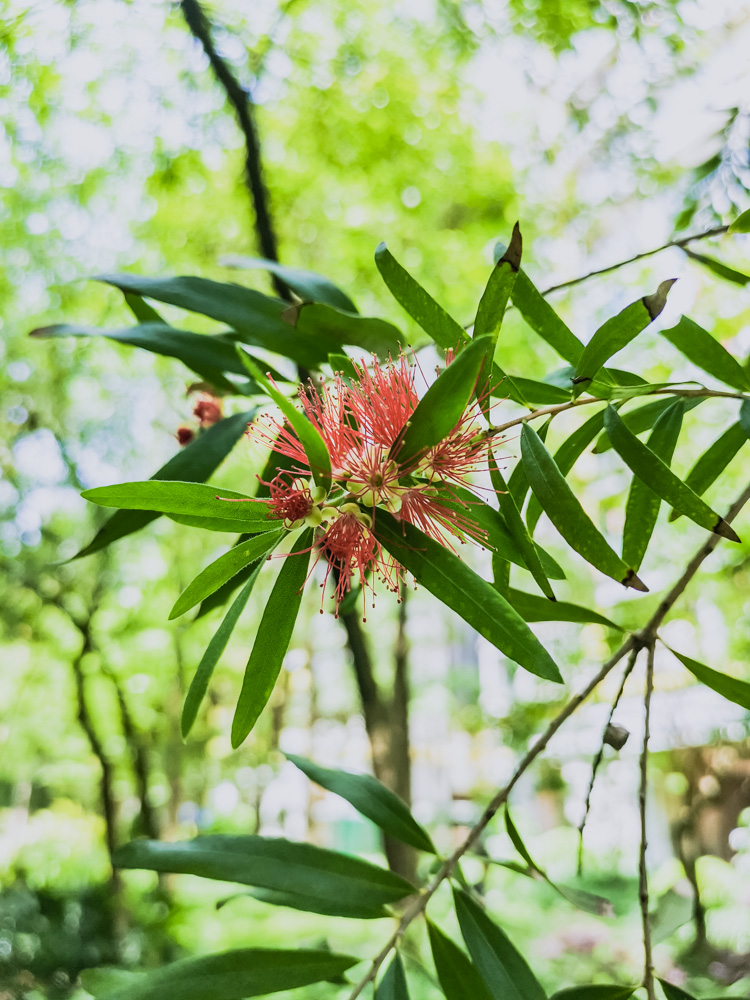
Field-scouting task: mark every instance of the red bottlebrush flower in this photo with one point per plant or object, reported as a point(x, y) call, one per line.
point(208, 410)
point(349, 546)
point(290, 502)
point(184, 435)
point(427, 510)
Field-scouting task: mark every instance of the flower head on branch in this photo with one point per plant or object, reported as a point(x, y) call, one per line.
point(362, 420)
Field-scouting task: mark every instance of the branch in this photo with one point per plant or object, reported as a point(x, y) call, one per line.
point(554, 409)
point(648, 961)
point(244, 109)
point(600, 755)
point(681, 243)
point(643, 639)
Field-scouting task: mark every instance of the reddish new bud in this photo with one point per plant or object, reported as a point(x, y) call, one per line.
point(208, 410)
point(185, 435)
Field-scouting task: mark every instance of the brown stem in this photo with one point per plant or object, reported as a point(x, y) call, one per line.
point(648, 961)
point(681, 243)
point(640, 640)
point(600, 755)
point(244, 109)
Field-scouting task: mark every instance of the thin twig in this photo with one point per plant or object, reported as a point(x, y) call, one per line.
point(555, 408)
point(600, 755)
point(681, 243)
point(648, 961)
point(639, 640)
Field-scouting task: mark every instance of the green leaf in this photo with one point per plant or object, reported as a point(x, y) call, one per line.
point(209, 355)
point(232, 975)
point(730, 688)
point(518, 529)
point(538, 609)
point(418, 303)
point(526, 390)
point(142, 311)
point(617, 332)
point(256, 318)
point(444, 575)
point(501, 575)
point(196, 462)
point(317, 322)
point(310, 437)
point(566, 513)
point(503, 969)
point(597, 991)
point(714, 461)
point(642, 507)
point(493, 524)
point(493, 303)
point(650, 468)
point(672, 992)
point(642, 419)
point(741, 224)
point(271, 640)
point(372, 799)
point(587, 901)
point(705, 351)
point(188, 499)
point(459, 979)
point(224, 568)
point(518, 483)
point(308, 285)
point(342, 364)
point(442, 406)
point(215, 648)
point(393, 984)
point(716, 267)
point(106, 979)
point(219, 523)
point(565, 458)
point(323, 881)
point(544, 321)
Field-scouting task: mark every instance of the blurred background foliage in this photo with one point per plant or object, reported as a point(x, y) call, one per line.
point(606, 128)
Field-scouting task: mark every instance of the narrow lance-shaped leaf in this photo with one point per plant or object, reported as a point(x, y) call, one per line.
point(321, 881)
point(492, 305)
point(518, 483)
point(566, 513)
point(231, 975)
point(587, 901)
point(596, 991)
point(741, 224)
point(714, 461)
point(371, 798)
point(565, 458)
point(308, 285)
point(142, 311)
point(190, 499)
point(705, 351)
point(518, 529)
point(617, 332)
point(731, 688)
point(449, 579)
point(196, 462)
point(650, 468)
point(504, 970)
point(458, 977)
point(501, 575)
point(271, 640)
point(642, 419)
point(256, 318)
point(720, 270)
point(319, 322)
point(672, 992)
point(533, 608)
point(642, 507)
point(393, 984)
point(418, 303)
point(312, 442)
point(217, 645)
point(224, 568)
point(544, 321)
point(444, 403)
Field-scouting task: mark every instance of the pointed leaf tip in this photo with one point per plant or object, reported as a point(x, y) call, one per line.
point(656, 302)
point(634, 581)
point(512, 255)
point(725, 529)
